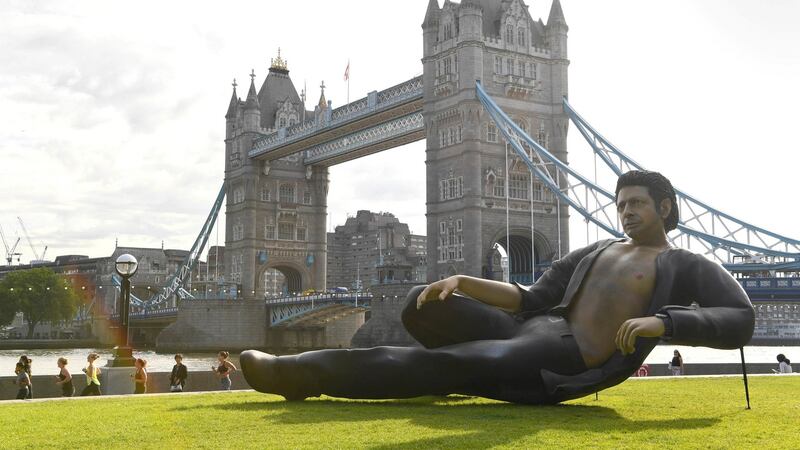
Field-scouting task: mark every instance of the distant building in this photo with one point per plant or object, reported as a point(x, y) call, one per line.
point(93, 279)
point(216, 262)
point(374, 248)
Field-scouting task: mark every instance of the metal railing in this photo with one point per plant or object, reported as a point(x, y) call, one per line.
point(319, 298)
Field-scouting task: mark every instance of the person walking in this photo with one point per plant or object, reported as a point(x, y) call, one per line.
point(140, 377)
point(23, 380)
point(92, 376)
point(26, 363)
point(64, 379)
point(784, 365)
point(224, 370)
point(177, 380)
point(676, 365)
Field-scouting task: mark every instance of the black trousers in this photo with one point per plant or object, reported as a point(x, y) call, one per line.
point(91, 389)
point(67, 390)
point(468, 348)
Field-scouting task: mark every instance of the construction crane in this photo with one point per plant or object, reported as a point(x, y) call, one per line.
point(30, 243)
point(11, 252)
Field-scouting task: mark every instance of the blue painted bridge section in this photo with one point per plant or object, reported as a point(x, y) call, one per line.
point(772, 289)
point(283, 309)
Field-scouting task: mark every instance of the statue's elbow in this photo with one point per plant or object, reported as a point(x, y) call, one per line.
point(745, 328)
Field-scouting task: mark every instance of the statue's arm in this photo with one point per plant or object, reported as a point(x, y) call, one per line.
point(723, 317)
point(546, 293)
point(494, 293)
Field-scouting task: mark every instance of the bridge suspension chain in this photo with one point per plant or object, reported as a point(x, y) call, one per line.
point(694, 213)
point(176, 282)
point(578, 192)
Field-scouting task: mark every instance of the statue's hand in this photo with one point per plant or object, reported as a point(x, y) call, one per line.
point(633, 328)
point(438, 290)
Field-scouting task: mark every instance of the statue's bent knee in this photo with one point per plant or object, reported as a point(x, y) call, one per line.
point(410, 309)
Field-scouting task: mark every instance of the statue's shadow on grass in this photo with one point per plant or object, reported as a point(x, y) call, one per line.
point(487, 424)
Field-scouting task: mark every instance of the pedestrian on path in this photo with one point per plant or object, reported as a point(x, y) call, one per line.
point(140, 377)
point(64, 379)
point(676, 365)
point(26, 363)
point(784, 365)
point(177, 380)
point(224, 370)
point(92, 376)
point(23, 381)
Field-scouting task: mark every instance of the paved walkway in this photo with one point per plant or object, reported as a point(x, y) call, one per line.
point(160, 394)
point(155, 394)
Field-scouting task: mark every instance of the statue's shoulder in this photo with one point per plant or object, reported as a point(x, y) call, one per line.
point(685, 263)
point(681, 254)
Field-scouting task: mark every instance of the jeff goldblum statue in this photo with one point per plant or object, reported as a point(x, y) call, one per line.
point(587, 324)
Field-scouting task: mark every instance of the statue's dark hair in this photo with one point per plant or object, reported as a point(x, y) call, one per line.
point(659, 188)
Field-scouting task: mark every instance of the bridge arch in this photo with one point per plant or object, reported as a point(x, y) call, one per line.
point(520, 258)
point(282, 278)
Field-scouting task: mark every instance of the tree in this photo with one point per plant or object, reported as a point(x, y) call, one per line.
point(42, 295)
point(8, 303)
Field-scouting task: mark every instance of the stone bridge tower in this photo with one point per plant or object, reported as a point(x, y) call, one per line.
point(276, 211)
point(523, 64)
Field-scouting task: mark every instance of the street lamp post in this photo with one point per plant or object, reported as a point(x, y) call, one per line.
point(125, 266)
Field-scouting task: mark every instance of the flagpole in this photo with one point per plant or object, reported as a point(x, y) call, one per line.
point(303, 98)
point(348, 81)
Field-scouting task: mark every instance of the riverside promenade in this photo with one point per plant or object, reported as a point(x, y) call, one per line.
point(205, 381)
point(157, 382)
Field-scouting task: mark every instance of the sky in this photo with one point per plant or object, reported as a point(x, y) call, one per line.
point(112, 113)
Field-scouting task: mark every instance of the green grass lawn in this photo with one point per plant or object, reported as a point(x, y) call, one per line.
point(672, 413)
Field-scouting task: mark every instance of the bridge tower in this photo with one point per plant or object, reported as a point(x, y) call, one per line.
point(276, 211)
point(522, 63)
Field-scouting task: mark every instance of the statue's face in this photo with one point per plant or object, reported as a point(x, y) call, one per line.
point(638, 213)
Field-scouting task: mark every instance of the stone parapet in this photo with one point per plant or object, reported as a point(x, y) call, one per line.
point(212, 325)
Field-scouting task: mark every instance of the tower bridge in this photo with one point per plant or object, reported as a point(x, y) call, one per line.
point(277, 152)
point(491, 106)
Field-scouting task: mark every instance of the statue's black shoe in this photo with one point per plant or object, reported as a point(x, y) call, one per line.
point(264, 373)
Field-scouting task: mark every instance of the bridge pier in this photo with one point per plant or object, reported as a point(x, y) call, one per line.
point(318, 334)
point(235, 325)
point(214, 325)
point(384, 326)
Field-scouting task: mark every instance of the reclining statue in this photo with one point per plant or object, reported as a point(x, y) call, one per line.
point(587, 324)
